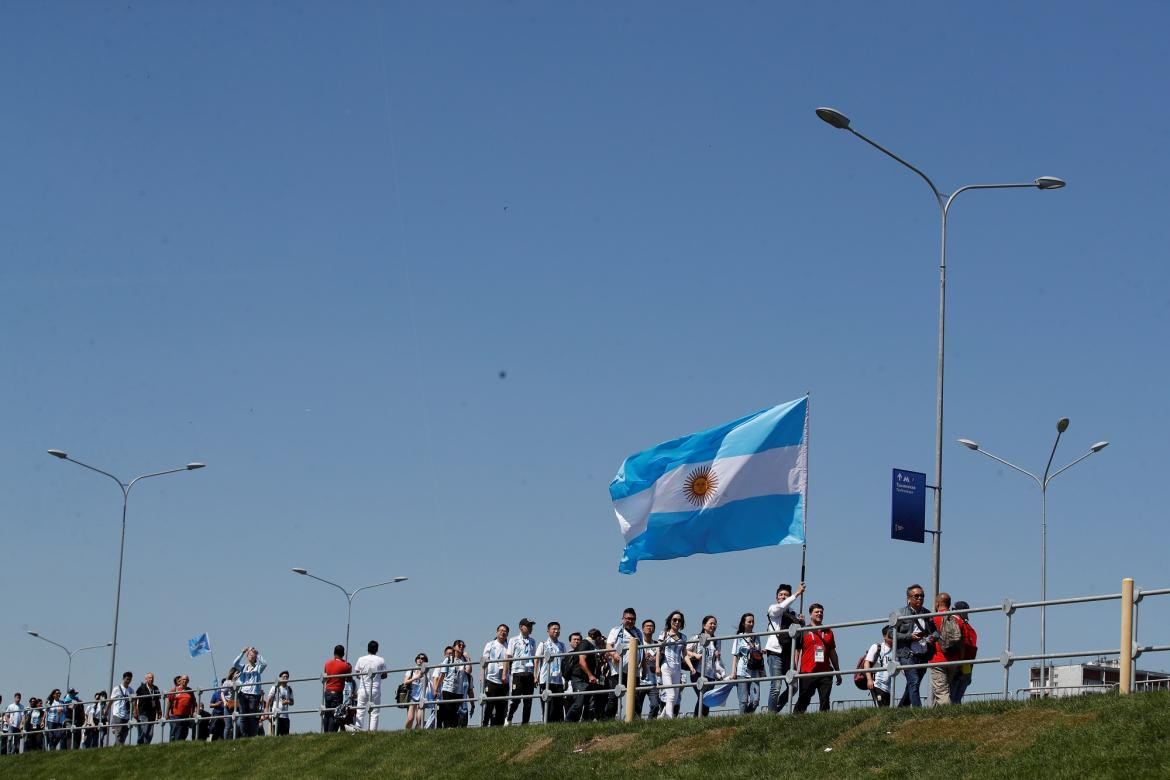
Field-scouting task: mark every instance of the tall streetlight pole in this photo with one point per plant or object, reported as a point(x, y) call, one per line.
point(841, 122)
point(1042, 482)
point(125, 488)
point(68, 652)
point(348, 596)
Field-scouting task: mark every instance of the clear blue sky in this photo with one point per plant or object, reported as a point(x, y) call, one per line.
point(300, 242)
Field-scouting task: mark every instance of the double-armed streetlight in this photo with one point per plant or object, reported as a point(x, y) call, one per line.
point(838, 120)
point(125, 488)
point(1042, 482)
point(68, 652)
point(348, 596)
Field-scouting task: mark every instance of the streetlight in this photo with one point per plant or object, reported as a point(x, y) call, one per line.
point(125, 488)
point(348, 596)
point(68, 652)
point(838, 120)
point(1042, 482)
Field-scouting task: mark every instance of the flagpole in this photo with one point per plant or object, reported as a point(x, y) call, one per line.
point(804, 504)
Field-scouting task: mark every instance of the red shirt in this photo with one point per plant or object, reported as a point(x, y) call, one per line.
point(336, 666)
point(956, 654)
point(182, 702)
point(809, 642)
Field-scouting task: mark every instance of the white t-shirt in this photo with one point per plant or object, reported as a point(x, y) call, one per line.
point(280, 700)
point(879, 655)
point(775, 613)
point(494, 651)
point(15, 715)
point(120, 702)
point(369, 670)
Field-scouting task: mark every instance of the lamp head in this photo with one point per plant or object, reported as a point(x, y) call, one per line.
point(1099, 446)
point(841, 122)
point(59, 454)
point(300, 570)
point(193, 466)
point(1062, 425)
point(30, 632)
point(399, 579)
point(971, 445)
point(1049, 183)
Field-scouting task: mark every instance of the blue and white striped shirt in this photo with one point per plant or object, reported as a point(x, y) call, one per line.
point(494, 651)
point(550, 667)
point(519, 647)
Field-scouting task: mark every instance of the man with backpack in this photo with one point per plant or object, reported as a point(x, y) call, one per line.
point(970, 649)
point(948, 646)
point(877, 659)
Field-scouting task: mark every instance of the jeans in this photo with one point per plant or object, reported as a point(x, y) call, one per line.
point(522, 685)
point(587, 702)
point(119, 729)
point(778, 665)
point(912, 696)
point(249, 707)
point(641, 696)
point(749, 695)
point(55, 736)
point(180, 728)
point(329, 724)
point(145, 730)
point(822, 686)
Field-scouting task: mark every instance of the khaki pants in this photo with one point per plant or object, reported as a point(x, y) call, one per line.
point(940, 684)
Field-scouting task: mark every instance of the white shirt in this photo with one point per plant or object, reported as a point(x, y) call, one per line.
point(369, 669)
point(518, 647)
point(618, 639)
point(550, 666)
point(120, 702)
point(775, 611)
point(879, 655)
point(14, 714)
point(494, 651)
point(280, 699)
point(709, 667)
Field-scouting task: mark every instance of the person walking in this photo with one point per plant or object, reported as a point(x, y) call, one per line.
point(181, 709)
point(704, 649)
point(778, 646)
point(337, 671)
point(416, 680)
point(495, 678)
point(647, 676)
point(120, 706)
point(549, 675)
point(251, 665)
point(451, 687)
point(948, 646)
point(369, 672)
point(970, 650)
point(913, 644)
point(748, 664)
point(13, 723)
point(95, 720)
point(147, 708)
point(877, 659)
point(56, 721)
point(818, 653)
point(577, 676)
point(671, 660)
point(280, 701)
point(617, 643)
point(521, 671)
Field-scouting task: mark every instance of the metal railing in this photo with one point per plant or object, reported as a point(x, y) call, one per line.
point(606, 696)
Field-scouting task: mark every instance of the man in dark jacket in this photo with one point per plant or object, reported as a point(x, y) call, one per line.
point(913, 643)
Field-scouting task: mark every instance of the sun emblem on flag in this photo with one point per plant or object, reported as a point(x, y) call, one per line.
point(700, 486)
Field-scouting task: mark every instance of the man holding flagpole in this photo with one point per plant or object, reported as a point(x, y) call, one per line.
point(738, 486)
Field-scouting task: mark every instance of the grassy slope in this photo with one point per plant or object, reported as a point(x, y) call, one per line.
point(1089, 736)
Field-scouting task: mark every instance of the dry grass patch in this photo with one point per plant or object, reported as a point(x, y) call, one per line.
point(606, 743)
point(685, 748)
point(848, 736)
point(531, 750)
point(993, 735)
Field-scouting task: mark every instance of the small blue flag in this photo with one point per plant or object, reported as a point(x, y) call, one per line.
point(717, 696)
point(199, 645)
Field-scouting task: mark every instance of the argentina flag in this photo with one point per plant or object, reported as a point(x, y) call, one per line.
point(199, 645)
point(734, 487)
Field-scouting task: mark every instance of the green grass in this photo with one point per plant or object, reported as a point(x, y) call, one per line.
point(1087, 736)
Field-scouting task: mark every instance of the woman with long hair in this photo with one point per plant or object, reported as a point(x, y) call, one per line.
point(671, 659)
point(705, 649)
point(749, 663)
point(416, 678)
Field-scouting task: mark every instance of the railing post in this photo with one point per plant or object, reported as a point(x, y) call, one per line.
point(1127, 635)
point(631, 678)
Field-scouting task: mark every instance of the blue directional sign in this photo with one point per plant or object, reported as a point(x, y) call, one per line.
point(908, 507)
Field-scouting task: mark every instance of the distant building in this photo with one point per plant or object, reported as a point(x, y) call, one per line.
point(1100, 676)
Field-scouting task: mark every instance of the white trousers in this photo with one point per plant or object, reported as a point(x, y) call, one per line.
point(669, 696)
point(365, 698)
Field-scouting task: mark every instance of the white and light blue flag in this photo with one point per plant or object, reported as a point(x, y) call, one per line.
point(199, 645)
point(735, 487)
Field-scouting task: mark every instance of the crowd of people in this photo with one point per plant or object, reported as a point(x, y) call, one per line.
point(574, 681)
